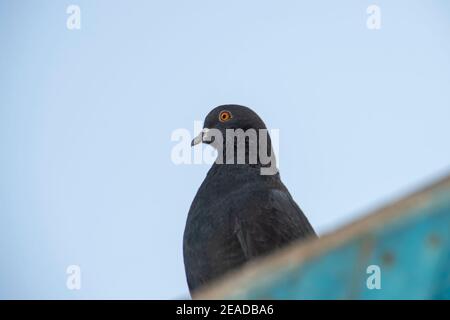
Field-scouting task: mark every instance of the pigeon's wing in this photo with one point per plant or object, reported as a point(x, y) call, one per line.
point(269, 223)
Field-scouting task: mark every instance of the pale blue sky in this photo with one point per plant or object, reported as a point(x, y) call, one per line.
point(86, 118)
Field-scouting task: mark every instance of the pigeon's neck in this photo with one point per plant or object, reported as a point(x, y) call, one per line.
point(223, 180)
point(237, 174)
point(226, 179)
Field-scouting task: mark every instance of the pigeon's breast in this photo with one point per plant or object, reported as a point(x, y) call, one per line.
point(210, 246)
point(210, 243)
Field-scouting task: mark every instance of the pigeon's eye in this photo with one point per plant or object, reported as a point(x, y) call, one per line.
point(225, 116)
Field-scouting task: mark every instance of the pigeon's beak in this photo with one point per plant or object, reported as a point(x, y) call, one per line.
point(200, 138)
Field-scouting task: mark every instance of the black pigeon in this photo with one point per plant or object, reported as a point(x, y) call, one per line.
point(238, 213)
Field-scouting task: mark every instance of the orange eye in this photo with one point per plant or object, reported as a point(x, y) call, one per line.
point(225, 116)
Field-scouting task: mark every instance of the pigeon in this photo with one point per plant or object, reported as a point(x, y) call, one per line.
point(239, 213)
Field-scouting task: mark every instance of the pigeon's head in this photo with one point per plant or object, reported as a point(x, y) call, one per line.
point(229, 116)
point(240, 137)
